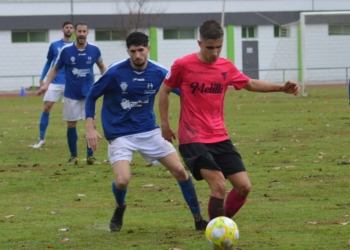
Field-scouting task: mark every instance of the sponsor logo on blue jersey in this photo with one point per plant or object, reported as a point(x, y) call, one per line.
point(138, 79)
point(123, 86)
point(80, 72)
point(150, 89)
point(72, 59)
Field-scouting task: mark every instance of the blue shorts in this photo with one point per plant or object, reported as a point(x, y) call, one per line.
point(221, 156)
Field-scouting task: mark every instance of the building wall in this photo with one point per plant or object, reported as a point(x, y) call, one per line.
point(56, 7)
point(326, 56)
point(278, 53)
point(22, 63)
point(170, 50)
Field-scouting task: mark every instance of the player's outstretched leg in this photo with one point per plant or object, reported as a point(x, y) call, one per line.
point(190, 195)
point(173, 164)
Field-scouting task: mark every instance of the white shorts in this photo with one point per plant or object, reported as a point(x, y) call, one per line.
point(54, 92)
point(151, 146)
point(73, 110)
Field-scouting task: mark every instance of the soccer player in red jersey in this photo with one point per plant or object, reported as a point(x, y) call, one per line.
point(203, 79)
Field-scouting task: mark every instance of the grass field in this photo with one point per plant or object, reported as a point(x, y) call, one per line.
point(295, 150)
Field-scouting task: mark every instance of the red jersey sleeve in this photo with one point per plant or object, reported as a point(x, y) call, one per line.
point(173, 78)
point(237, 79)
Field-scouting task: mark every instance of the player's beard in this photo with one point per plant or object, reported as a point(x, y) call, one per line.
point(67, 35)
point(139, 63)
point(81, 40)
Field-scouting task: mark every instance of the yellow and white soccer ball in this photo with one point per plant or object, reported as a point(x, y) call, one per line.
point(222, 233)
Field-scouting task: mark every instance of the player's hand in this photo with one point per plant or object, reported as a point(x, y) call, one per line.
point(92, 137)
point(168, 134)
point(42, 89)
point(41, 82)
point(291, 87)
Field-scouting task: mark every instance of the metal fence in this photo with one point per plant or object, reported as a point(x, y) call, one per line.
point(314, 76)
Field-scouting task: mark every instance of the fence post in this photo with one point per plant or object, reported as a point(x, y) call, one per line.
point(32, 84)
point(349, 90)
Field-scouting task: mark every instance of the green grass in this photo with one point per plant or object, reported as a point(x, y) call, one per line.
point(295, 150)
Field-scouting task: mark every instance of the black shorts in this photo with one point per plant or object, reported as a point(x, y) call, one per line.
point(222, 156)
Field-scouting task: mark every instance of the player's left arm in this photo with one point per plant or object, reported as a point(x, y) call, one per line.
point(256, 85)
point(102, 67)
point(92, 136)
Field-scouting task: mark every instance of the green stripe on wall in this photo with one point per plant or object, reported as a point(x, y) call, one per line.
point(300, 58)
point(230, 43)
point(153, 42)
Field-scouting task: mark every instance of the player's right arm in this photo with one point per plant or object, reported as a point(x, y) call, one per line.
point(163, 103)
point(50, 57)
point(44, 72)
point(52, 74)
point(92, 136)
point(97, 90)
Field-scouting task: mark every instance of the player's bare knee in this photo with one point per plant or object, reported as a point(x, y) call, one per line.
point(48, 107)
point(221, 187)
point(122, 184)
point(244, 190)
point(180, 174)
point(218, 188)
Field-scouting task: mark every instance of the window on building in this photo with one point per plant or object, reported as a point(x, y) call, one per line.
point(179, 33)
point(280, 31)
point(338, 29)
point(32, 36)
point(249, 32)
point(111, 34)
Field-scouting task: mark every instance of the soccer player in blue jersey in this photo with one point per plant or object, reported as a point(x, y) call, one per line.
point(129, 88)
point(78, 60)
point(56, 89)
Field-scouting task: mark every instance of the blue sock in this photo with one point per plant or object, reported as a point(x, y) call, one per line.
point(89, 152)
point(72, 138)
point(190, 195)
point(44, 122)
point(119, 195)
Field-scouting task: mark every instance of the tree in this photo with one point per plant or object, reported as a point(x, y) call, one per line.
point(136, 15)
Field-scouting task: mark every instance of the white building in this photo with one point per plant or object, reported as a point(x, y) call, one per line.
point(264, 38)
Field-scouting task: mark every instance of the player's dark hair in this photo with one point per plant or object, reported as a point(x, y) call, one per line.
point(79, 23)
point(66, 23)
point(211, 29)
point(137, 39)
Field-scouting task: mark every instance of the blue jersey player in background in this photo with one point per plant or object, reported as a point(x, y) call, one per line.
point(129, 88)
point(78, 60)
point(56, 89)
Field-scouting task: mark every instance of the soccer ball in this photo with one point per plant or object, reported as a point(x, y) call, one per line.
point(222, 233)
